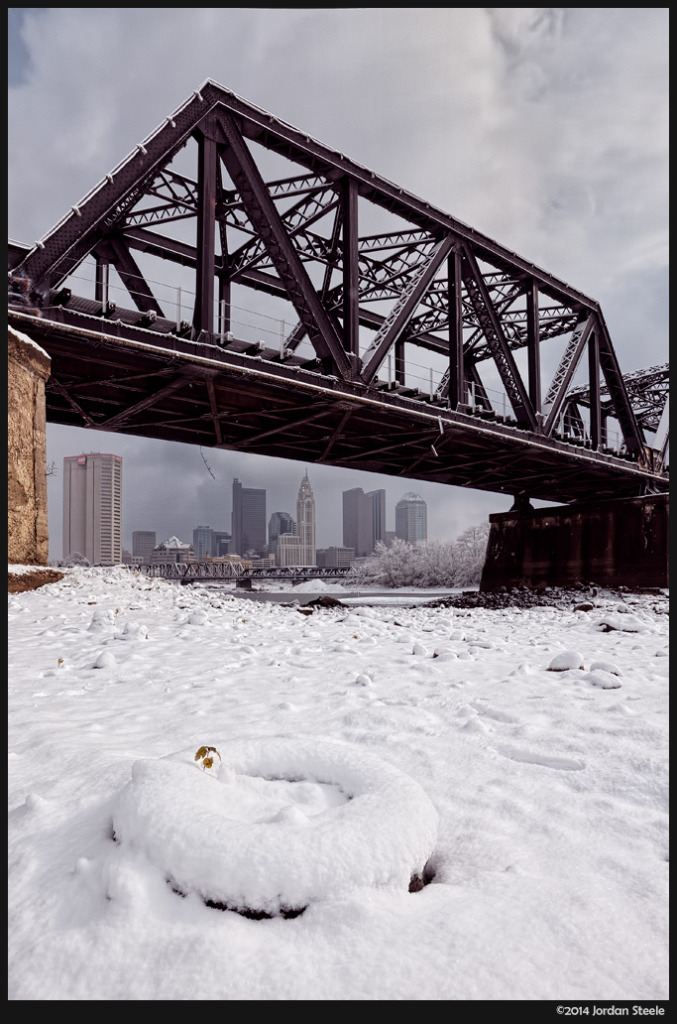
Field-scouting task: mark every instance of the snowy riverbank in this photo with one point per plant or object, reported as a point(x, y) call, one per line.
point(550, 789)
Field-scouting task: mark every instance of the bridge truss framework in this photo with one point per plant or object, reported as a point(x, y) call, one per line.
point(363, 300)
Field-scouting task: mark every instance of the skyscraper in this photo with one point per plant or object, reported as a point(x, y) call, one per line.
point(411, 518)
point(248, 519)
point(220, 543)
point(280, 522)
point(364, 520)
point(92, 507)
point(143, 542)
point(202, 541)
point(299, 548)
point(305, 522)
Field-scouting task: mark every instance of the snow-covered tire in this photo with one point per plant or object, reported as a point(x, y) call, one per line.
point(178, 815)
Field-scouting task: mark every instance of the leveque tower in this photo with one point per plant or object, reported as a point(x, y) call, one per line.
point(305, 523)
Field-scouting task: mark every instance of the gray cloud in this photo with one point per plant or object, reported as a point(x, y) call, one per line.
point(545, 128)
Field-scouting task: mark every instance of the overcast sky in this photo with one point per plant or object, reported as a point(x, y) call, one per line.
point(545, 128)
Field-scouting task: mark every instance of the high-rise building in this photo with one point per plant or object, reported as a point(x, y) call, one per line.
point(248, 519)
point(295, 546)
point(92, 507)
point(305, 521)
point(143, 542)
point(202, 541)
point(411, 518)
point(220, 543)
point(364, 520)
point(279, 523)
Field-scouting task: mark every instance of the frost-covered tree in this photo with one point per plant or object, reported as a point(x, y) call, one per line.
point(471, 551)
point(432, 563)
point(75, 558)
point(392, 566)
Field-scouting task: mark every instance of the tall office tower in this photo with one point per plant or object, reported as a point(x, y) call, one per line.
point(248, 519)
point(376, 505)
point(279, 522)
point(92, 507)
point(305, 522)
point(364, 520)
point(411, 518)
point(202, 541)
point(220, 543)
point(143, 542)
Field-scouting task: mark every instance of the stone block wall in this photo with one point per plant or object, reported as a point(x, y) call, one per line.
point(28, 368)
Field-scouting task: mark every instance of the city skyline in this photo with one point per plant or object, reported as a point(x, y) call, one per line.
point(371, 513)
point(207, 542)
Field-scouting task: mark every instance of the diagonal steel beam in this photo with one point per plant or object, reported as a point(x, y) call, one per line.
point(264, 216)
point(296, 219)
point(336, 434)
point(106, 206)
point(215, 410)
point(623, 411)
point(131, 276)
point(395, 323)
point(119, 420)
point(54, 385)
point(498, 345)
point(554, 399)
point(285, 426)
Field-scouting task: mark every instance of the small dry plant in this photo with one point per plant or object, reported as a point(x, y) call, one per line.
point(203, 755)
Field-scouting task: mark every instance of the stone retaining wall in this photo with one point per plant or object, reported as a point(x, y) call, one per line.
point(28, 367)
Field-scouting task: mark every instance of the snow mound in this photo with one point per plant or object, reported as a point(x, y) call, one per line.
point(604, 680)
point(105, 660)
point(133, 631)
point(103, 618)
point(281, 823)
point(622, 623)
point(317, 587)
point(565, 660)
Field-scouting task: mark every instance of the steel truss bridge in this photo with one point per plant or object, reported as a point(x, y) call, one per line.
point(193, 572)
point(394, 317)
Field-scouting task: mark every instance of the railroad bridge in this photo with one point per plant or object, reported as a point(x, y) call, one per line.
point(235, 283)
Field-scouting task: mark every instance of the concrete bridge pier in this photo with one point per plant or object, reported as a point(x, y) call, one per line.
point(619, 542)
point(28, 368)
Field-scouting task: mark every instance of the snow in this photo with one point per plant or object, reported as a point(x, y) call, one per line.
point(29, 341)
point(357, 744)
point(294, 821)
point(173, 542)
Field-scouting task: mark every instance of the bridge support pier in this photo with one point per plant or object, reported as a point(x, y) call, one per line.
point(28, 367)
point(622, 542)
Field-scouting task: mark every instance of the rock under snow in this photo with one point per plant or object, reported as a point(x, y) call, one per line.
point(565, 660)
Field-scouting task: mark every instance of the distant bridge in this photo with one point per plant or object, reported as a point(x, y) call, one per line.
point(395, 337)
point(194, 572)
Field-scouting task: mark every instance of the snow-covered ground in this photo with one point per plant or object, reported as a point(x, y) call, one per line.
point(352, 745)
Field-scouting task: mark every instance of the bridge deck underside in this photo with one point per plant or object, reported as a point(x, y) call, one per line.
point(199, 394)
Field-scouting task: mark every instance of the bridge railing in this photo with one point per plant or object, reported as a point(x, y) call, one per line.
point(235, 570)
